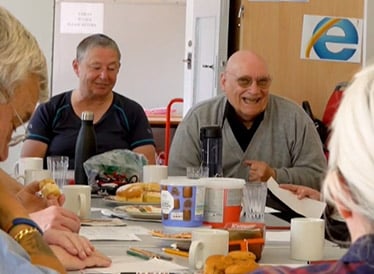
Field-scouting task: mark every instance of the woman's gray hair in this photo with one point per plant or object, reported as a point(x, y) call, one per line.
point(20, 57)
point(96, 40)
point(352, 149)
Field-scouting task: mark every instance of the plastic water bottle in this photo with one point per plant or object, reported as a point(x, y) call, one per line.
point(211, 149)
point(85, 147)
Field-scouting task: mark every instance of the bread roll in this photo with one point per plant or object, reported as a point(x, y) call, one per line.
point(48, 188)
point(140, 192)
point(152, 197)
point(131, 192)
point(152, 187)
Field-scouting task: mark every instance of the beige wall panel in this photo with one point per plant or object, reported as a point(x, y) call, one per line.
point(274, 31)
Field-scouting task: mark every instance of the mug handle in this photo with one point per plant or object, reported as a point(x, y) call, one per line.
point(195, 255)
point(82, 205)
point(19, 177)
point(16, 168)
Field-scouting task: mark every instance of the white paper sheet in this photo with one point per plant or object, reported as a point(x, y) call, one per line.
point(115, 233)
point(81, 17)
point(138, 230)
point(133, 264)
point(306, 206)
point(271, 210)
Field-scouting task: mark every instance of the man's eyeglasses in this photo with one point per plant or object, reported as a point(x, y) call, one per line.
point(16, 139)
point(247, 81)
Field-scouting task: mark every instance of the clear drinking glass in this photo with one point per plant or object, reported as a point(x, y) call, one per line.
point(254, 201)
point(58, 165)
point(196, 172)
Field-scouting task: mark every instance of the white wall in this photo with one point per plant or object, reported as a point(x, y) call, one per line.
point(151, 37)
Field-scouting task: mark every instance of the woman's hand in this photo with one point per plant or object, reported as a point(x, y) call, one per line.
point(73, 243)
point(71, 262)
point(31, 199)
point(302, 191)
point(56, 217)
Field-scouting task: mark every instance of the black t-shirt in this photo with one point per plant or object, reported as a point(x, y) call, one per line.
point(123, 126)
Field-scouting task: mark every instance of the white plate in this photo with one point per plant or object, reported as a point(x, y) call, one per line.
point(139, 211)
point(102, 222)
point(112, 199)
point(173, 237)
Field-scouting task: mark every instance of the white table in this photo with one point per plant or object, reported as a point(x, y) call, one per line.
point(273, 253)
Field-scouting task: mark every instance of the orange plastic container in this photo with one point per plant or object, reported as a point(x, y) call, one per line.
point(247, 237)
point(223, 197)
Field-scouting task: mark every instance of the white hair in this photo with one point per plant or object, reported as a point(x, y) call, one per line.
point(352, 147)
point(20, 57)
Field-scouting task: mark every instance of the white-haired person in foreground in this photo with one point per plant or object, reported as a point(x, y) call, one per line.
point(25, 247)
point(349, 182)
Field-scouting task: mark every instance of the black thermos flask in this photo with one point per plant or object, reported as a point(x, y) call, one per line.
point(85, 147)
point(211, 149)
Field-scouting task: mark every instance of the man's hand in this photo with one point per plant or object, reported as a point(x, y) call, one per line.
point(259, 171)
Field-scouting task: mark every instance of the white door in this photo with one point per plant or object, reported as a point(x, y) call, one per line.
point(205, 49)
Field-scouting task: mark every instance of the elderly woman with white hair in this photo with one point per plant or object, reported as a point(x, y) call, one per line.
point(349, 182)
point(25, 246)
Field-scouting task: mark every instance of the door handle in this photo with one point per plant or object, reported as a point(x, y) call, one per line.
point(188, 61)
point(208, 66)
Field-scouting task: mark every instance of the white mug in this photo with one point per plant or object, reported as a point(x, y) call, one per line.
point(25, 163)
point(206, 242)
point(307, 239)
point(78, 199)
point(154, 173)
point(32, 175)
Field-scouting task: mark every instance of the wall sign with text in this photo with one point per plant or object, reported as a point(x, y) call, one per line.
point(328, 38)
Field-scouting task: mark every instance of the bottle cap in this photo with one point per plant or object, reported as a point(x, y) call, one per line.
point(210, 132)
point(87, 116)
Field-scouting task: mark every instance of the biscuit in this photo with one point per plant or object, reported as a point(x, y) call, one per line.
point(187, 215)
point(238, 256)
point(236, 262)
point(214, 264)
point(241, 268)
point(174, 191)
point(187, 204)
point(187, 191)
point(176, 204)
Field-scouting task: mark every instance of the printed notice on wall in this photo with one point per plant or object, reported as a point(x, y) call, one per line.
point(81, 17)
point(328, 38)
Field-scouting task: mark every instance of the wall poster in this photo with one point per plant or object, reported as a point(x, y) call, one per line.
point(331, 38)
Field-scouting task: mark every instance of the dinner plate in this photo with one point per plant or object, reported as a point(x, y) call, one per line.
point(175, 237)
point(139, 211)
point(112, 200)
point(103, 222)
point(172, 239)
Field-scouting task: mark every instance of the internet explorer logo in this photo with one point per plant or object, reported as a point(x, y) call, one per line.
point(330, 38)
